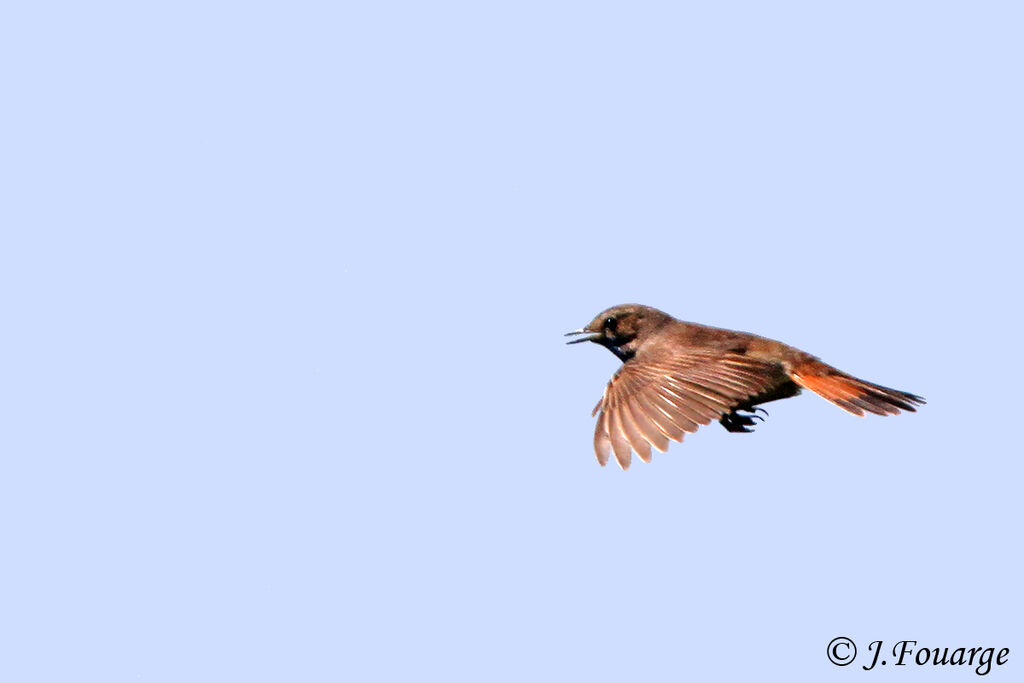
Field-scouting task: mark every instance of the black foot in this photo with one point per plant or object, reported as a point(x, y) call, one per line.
point(738, 422)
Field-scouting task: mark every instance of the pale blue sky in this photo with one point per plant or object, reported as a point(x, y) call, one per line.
point(285, 396)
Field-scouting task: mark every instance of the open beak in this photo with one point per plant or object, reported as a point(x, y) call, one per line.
point(585, 335)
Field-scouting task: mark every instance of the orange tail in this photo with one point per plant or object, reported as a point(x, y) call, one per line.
point(851, 394)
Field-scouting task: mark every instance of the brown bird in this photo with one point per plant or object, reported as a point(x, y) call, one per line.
point(677, 376)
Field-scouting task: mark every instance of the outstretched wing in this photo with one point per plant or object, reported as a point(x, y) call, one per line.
point(647, 403)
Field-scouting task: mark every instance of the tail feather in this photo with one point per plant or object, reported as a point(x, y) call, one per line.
point(851, 394)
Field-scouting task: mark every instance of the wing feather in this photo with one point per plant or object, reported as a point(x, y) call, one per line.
point(648, 403)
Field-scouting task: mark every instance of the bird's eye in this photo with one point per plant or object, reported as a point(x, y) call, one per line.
point(609, 322)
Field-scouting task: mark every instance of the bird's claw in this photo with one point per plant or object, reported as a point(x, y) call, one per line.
point(741, 423)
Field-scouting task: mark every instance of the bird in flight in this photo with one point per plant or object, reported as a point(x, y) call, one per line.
point(677, 376)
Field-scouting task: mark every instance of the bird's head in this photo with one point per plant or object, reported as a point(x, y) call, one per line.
point(619, 328)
